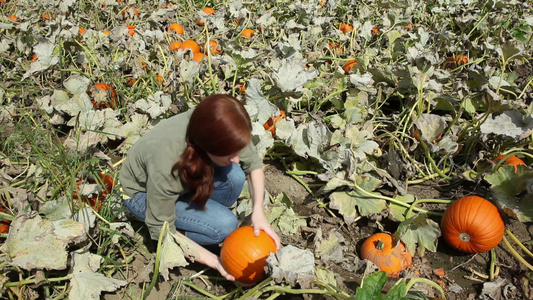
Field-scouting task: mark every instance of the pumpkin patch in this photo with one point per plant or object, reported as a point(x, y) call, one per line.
point(392, 110)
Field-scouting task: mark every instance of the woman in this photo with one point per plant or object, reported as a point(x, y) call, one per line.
point(189, 169)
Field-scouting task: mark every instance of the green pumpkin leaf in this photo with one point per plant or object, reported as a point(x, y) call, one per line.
point(397, 292)
point(349, 203)
point(398, 211)
point(421, 231)
point(371, 287)
point(506, 184)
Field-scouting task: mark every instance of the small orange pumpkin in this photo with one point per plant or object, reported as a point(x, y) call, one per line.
point(348, 66)
point(198, 57)
point(111, 99)
point(247, 33)
point(131, 30)
point(389, 256)
point(511, 160)
point(14, 18)
point(472, 224)
point(96, 200)
point(457, 60)
point(207, 10)
point(174, 46)
point(336, 48)
point(190, 44)
point(175, 27)
point(345, 27)
point(270, 124)
point(244, 255)
point(213, 47)
point(4, 224)
point(130, 12)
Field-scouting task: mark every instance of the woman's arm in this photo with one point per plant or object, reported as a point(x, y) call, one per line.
point(259, 220)
point(206, 257)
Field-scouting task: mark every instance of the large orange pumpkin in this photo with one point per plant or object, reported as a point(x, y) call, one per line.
point(511, 160)
point(244, 255)
point(472, 224)
point(390, 256)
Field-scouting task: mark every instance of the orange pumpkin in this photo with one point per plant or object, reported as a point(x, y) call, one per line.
point(213, 47)
point(198, 57)
point(345, 27)
point(4, 224)
point(389, 256)
point(244, 255)
point(348, 66)
point(247, 33)
point(270, 124)
point(96, 200)
point(175, 27)
point(131, 30)
point(336, 48)
point(457, 60)
point(130, 12)
point(472, 224)
point(511, 160)
point(190, 44)
point(111, 99)
point(174, 46)
point(207, 10)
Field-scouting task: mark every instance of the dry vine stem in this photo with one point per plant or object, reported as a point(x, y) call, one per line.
point(514, 252)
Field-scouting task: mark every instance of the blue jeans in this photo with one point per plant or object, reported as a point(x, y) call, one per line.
point(211, 225)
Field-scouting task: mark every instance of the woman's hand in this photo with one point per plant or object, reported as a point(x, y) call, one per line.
point(260, 222)
point(220, 268)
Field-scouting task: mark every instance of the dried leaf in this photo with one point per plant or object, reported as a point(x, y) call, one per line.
point(86, 284)
point(258, 107)
point(46, 58)
point(509, 123)
point(77, 84)
point(173, 251)
point(292, 265)
point(329, 250)
point(431, 127)
point(156, 104)
point(291, 74)
point(36, 243)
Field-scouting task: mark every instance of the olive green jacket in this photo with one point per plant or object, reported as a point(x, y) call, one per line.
point(147, 168)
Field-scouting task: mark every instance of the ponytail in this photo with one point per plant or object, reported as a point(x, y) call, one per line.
point(220, 126)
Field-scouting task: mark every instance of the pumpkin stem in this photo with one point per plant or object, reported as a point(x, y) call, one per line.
point(379, 245)
point(464, 237)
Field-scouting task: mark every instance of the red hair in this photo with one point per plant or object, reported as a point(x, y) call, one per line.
point(220, 126)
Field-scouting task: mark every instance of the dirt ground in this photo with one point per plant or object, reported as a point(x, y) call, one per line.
point(464, 274)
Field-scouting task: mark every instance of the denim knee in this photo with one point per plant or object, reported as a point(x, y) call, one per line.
point(227, 226)
point(237, 176)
